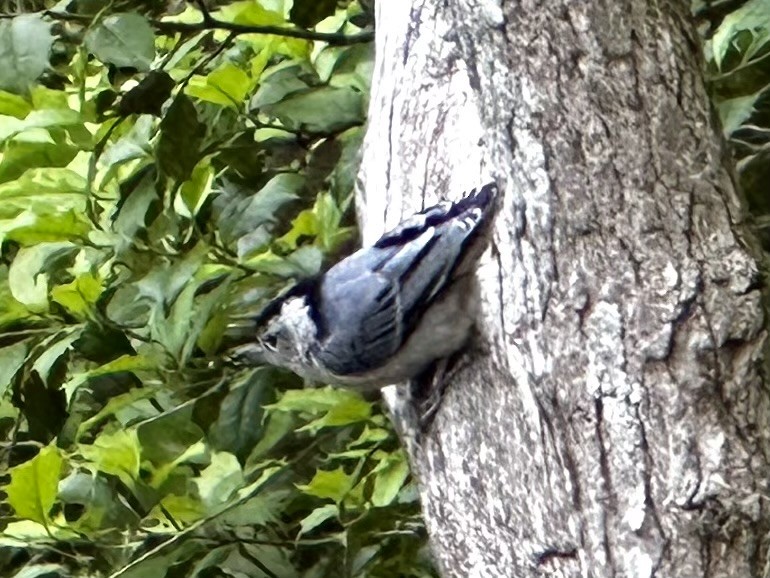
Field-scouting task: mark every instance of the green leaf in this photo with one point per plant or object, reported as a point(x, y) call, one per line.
point(10, 309)
point(78, 296)
point(315, 401)
point(248, 12)
point(172, 438)
point(119, 365)
point(13, 105)
point(264, 508)
point(389, 476)
point(308, 13)
point(185, 509)
point(322, 110)
point(354, 67)
point(279, 427)
point(43, 191)
point(148, 96)
point(194, 192)
point(33, 486)
point(125, 40)
point(735, 111)
point(29, 273)
point(117, 453)
point(753, 17)
point(371, 436)
point(181, 136)
point(333, 485)
point(20, 155)
point(29, 228)
point(132, 146)
point(219, 480)
point(140, 194)
point(41, 571)
point(280, 81)
point(349, 411)
point(239, 425)
point(11, 359)
point(38, 119)
point(55, 347)
point(318, 517)
point(227, 85)
point(322, 222)
point(240, 215)
point(25, 42)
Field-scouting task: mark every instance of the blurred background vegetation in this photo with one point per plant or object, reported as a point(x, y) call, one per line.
point(166, 168)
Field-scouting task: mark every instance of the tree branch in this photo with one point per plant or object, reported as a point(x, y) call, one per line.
point(211, 23)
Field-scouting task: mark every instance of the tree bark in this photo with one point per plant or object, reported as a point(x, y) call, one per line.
point(616, 422)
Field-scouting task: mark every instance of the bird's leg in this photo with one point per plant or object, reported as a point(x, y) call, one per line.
point(430, 404)
point(429, 389)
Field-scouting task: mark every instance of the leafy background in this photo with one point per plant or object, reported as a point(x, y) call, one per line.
point(166, 168)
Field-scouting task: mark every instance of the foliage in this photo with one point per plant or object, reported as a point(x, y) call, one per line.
point(737, 50)
point(165, 170)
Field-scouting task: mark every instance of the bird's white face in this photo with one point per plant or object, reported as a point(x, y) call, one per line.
point(286, 340)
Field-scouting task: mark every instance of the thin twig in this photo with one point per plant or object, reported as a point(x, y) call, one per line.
point(211, 23)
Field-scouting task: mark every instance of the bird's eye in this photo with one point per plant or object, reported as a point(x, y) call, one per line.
point(270, 341)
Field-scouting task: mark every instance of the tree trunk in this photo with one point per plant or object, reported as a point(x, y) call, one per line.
point(616, 420)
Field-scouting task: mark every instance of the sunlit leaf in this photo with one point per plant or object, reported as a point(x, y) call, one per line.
point(228, 86)
point(219, 480)
point(28, 276)
point(13, 105)
point(316, 400)
point(318, 517)
point(389, 476)
point(349, 411)
point(117, 453)
point(32, 491)
point(332, 484)
point(247, 12)
point(196, 190)
point(753, 16)
point(79, 295)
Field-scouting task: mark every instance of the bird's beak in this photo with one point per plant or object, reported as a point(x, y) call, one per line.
point(250, 354)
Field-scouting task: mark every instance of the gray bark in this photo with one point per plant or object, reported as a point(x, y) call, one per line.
point(616, 422)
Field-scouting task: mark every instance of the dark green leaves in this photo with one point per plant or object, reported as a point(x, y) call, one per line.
point(739, 77)
point(307, 13)
point(181, 136)
point(243, 215)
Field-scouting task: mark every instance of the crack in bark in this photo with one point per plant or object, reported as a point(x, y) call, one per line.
point(605, 469)
point(553, 555)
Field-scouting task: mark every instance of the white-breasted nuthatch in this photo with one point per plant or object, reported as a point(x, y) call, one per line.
point(386, 312)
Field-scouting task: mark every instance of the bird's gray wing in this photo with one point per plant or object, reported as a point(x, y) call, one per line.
point(379, 294)
point(370, 303)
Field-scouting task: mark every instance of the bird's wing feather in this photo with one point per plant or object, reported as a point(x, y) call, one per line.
point(385, 288)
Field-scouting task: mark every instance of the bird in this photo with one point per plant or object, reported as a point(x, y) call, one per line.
point(387, 312)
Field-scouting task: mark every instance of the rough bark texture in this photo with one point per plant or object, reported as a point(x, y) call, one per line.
point(617, 421)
